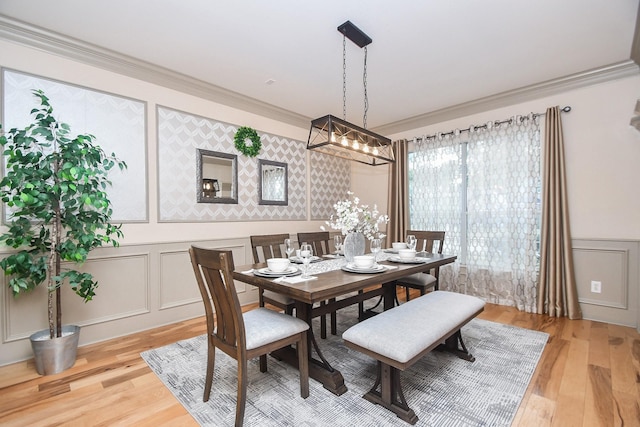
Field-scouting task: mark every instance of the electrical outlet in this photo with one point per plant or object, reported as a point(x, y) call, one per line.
point(596, 286)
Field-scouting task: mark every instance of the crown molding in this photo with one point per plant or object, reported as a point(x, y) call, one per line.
point(527, 93)
point(51, 42)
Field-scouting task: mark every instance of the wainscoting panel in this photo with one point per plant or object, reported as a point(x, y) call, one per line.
point(613, 263)
point(122, 292)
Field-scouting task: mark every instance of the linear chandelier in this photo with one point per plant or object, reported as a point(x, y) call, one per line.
point(337, 137)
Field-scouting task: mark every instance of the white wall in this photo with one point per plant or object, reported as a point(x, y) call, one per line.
point(602, 154)
point(146, 282)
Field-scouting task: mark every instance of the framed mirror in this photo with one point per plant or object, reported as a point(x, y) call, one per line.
point(217, 177)
point(273, 181)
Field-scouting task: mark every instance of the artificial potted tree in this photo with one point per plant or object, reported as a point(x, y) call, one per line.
point(54, 189)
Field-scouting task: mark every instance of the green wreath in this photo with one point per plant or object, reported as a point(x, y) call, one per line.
point(240, 141)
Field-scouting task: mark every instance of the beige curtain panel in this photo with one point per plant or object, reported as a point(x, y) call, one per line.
point(398, 200)
point(557, 293)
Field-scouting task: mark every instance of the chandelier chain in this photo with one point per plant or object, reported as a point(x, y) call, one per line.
point(366, 96)
point(344, 77)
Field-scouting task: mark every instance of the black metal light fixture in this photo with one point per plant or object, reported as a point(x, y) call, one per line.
point(210, 187)
point(338, 137)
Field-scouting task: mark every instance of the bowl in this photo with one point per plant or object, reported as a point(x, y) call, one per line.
point(407, 253)
point(363, 261)
point(278, 265)
point(399, 245)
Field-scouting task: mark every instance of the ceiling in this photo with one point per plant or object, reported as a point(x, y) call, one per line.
point(425, 56)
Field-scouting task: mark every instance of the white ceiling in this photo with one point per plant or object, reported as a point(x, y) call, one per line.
point(425, 55)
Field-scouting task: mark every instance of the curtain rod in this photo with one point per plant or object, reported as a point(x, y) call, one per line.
point(488, 125)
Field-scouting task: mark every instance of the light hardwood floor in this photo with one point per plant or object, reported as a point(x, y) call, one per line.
point(589, 375)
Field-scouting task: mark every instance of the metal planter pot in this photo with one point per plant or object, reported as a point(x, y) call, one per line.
point(55, 355)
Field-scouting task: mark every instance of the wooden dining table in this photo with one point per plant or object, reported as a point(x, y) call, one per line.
point(332, 290)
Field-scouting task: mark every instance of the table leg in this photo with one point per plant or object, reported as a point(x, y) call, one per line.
point(319, 370)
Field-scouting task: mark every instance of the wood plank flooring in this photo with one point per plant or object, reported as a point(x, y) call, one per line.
point(588, 375)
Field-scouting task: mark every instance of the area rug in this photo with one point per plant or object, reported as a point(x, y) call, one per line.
point(442, 389)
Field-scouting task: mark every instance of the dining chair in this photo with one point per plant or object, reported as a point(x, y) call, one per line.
point(320, 240)
point(426, 240)
point(242, 336)
point(270, 245)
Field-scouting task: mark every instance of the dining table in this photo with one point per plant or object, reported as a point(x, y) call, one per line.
point(334, 285)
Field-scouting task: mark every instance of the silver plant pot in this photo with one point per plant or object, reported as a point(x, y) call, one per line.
point(53, 356)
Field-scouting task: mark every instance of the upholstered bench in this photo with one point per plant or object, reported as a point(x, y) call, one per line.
point(399, 337)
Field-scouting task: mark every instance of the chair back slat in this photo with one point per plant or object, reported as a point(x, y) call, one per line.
point(271, 245)
point(213, 270)
point(426, 240)
point(319, 240)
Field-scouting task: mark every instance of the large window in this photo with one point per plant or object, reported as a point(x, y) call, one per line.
point(483, 189)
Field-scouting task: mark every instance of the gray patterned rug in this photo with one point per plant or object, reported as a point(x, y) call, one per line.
point(442, 389)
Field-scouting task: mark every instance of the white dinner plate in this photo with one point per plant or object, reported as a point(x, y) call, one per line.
point(416, 260)
point(352, 268)
point(265, 272)
point(298, 260)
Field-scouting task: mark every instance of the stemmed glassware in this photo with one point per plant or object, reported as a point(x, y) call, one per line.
point(376, 245)
point(306, 252)
point(288, 247)
point(411, 241)
point(337, 242)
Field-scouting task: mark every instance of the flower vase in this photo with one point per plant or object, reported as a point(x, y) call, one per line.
point(354, 245)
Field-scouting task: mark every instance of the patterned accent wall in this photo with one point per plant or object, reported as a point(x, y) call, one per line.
point(180, 134)
point(117, 122)
point(330, 181)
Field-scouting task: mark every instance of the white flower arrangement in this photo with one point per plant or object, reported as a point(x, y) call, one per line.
point(350, 216)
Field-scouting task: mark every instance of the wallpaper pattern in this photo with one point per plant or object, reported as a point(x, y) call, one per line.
point(180, 134)
point(117, 122)
point(330, 181)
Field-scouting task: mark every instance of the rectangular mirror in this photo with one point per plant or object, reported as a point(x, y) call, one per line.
point(217, 177)
point(272, 183)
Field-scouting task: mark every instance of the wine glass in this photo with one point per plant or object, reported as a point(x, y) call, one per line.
point(288, 247)
point(376, 245)
point(411, 241)
point(337, 242)
point(306, 252)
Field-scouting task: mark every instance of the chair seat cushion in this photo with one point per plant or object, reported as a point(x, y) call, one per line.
point(418, 280)
point(404, 331)
point(282, 299)
point(263, 326)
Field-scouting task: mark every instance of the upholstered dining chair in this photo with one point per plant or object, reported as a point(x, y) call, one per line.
point(320, 240)
point(270, 247)
point(242, 336)
point(426, 240)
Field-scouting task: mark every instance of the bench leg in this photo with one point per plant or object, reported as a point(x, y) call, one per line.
point(455, 345)
point(390, 395)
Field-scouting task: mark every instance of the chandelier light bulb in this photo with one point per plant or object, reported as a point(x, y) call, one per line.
point(375, 151)
point(344, 141)
point(355, 145)
point(333, 137)
point(365, 148)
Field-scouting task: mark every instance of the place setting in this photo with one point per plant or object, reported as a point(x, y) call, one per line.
point(277, 267)
point(367, 264)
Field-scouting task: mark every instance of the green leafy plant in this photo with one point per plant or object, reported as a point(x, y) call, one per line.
point(54, 187)
point(240, 141)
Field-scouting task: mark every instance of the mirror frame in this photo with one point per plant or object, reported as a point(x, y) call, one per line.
point(234, 176)
point(261, 201)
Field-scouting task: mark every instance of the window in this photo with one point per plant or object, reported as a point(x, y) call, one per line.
point(483, 190)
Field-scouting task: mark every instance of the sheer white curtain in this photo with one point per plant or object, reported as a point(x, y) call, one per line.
point(482, 187)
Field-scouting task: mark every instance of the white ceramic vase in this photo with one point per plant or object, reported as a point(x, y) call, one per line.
point(354, 244)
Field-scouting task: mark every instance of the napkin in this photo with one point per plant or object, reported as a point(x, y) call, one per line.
point(294, 279)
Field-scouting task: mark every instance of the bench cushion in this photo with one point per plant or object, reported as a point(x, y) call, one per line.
point(405, 331)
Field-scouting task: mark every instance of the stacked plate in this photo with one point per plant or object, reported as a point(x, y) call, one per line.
point(416, 260)
point(298, 260)
point(352, 268)
point(265, 272)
